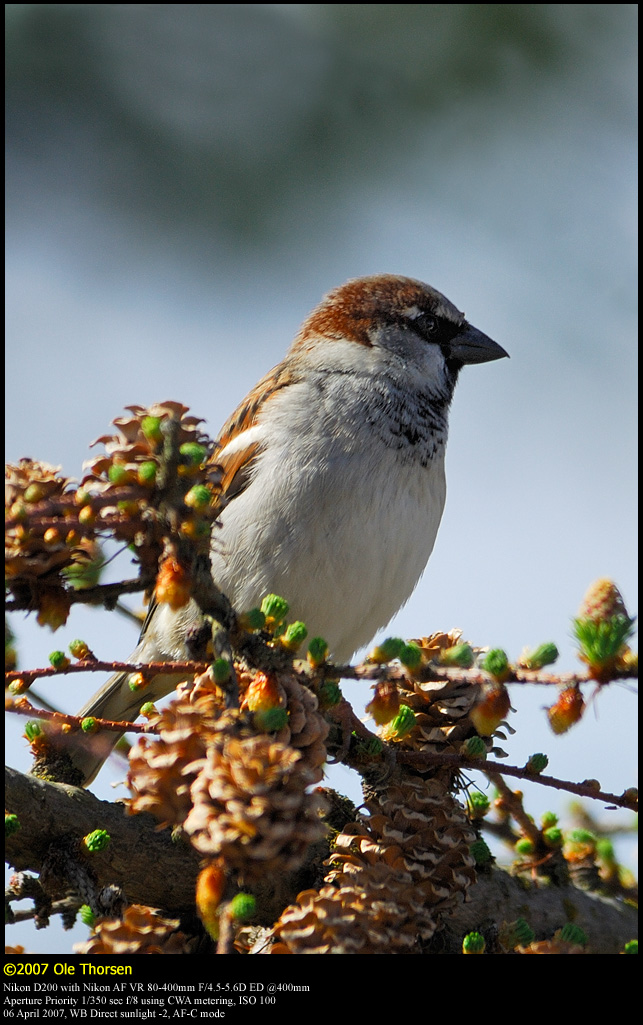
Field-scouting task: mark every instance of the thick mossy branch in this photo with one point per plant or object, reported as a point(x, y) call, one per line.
point(52, 813)
point(152, 867)
point(49, 813)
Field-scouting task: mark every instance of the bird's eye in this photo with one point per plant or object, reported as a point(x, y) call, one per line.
point(426, 325)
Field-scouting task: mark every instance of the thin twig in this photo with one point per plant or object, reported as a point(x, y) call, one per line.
point(425, 758)
point(21, 706)
point(99, 666)
point(101, 594)
point(433, 673)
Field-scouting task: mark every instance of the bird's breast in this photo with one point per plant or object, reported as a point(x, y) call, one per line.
point(340, 520)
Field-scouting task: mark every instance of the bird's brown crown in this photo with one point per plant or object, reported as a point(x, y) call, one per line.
point(352, 310)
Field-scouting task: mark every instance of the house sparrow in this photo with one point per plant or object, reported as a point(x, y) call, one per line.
point(334, 475)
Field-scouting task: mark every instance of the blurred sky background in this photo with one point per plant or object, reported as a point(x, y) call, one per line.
point(184, 183)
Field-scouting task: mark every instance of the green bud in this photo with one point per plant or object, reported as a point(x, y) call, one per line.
point(89, 724)
point(548, 819)
point(18, 511)
point(524, 846)
point(253, 619)
point(19, 686)
point(275, 609)
point(317, 651)
point(478, 804)
point(33, 730)
point(601, 640)
point(631, 947)
point(553, 837)
point(474, 747)
point(196, 529)
point(480, 851)
point(118, 474)
point(193, 453)
point(86, 915)
point(151, 428)
point(370, 748)
point(79, 649)
point(96, 841)
point(243, 906)
point(127, 506)
point(403, 722)
point(581, 843)
point(389, 649)
point(605, 850)
point(33, 493)
point(411, 656)
point(58, 660)
point(571, 933)
point(460, 655)
point(149, 710)
point(516, 934)
point(582, 836)
point(11, 825)
point(269, 720)
point(147, 472)
point(82, 497)
point(524, 933)
point(536, 763)
point(137, 681)
point(496, 663)
point(473, 943)
point(221, 670)
point(294, 636)
point(85, 573)
point(544, 655)
point(329, 694)
point(198, 497)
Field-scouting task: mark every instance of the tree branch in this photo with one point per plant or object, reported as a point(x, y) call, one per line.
point(146, 862)
point(52, 813)
point(498, 897)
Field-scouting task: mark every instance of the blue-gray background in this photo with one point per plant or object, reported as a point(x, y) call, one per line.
point(186, 181)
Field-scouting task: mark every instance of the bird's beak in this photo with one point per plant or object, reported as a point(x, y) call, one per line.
point(472, 346)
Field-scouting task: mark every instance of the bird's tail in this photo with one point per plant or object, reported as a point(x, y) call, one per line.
point(116, 702)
